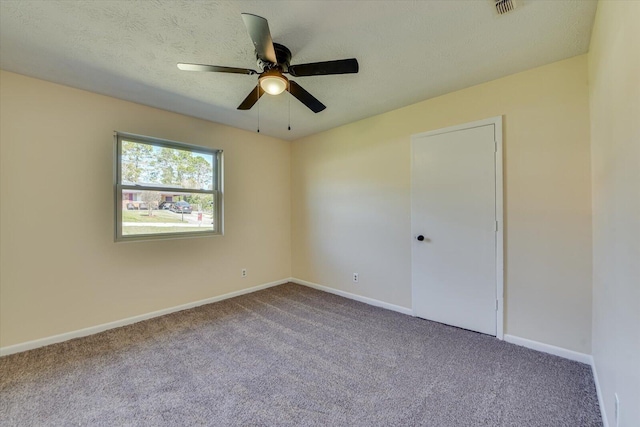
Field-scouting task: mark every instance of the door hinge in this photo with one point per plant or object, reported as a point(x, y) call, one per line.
point(496, 226)
point(495, 146)
point(496, 305)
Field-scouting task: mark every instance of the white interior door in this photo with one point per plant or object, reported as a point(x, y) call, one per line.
point(453, 206)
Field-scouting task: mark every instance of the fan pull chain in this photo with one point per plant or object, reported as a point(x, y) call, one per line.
point(258, 101)
point(289, 127)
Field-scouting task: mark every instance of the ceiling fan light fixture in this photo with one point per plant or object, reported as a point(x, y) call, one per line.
point(273, 82)
point(273, 59)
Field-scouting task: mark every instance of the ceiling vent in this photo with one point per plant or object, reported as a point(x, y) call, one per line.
point(505, 6)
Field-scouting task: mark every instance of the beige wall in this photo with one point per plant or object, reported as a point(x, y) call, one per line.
point(61, 270)
point(351, 204)
point(614, 87)
point(348, 190)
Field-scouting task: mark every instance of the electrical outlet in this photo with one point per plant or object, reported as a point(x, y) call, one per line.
point(356, 278)
point(617, 410)
point(243, 272)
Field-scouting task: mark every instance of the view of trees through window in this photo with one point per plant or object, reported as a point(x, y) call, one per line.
point(148, 164)
point(166, 189)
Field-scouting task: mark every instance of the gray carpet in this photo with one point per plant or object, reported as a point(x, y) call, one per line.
point(291, 355)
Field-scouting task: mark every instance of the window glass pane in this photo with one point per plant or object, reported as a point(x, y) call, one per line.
point(157, 212)
point(149, 165)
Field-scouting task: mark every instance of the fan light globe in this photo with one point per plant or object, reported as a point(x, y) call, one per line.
point(273, 84)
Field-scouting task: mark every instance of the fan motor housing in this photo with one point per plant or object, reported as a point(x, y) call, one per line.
point(283, 55)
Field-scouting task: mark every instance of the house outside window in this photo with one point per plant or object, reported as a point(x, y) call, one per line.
point(166, 189)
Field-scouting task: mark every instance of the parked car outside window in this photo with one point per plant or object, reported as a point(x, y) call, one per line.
point(181, 207)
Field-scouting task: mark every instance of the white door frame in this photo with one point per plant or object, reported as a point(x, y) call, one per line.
point(497, 122)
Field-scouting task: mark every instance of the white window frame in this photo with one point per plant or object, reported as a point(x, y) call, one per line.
point(118, 187)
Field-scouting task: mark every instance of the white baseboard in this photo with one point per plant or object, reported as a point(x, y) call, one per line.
point(355, 297)
point(548, 348)
point(29, 345)
point(603, 413)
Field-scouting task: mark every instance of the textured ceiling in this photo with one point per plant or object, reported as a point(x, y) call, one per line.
point(408, 51)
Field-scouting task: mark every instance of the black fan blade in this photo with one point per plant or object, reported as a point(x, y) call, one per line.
point(258, 28)
point(251, 99)
point(215, 68)
point(341, 66)
point(305, 97)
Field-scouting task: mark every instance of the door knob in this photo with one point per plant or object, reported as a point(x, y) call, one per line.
point(420, 238)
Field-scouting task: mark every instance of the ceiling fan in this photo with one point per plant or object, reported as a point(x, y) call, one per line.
point(273, 61)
